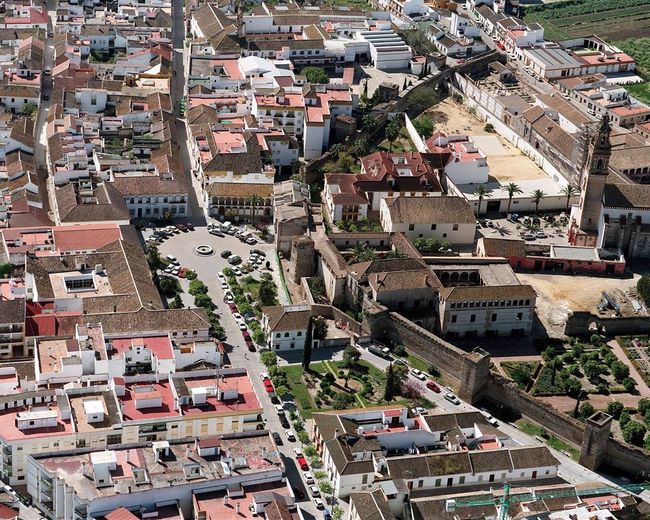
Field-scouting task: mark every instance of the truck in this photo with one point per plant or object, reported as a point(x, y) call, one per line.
point(380, 351)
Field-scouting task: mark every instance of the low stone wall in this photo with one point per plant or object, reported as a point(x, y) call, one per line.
point(332, 313)
point(578, 324)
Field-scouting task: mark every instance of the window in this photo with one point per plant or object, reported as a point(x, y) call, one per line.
point(472, 318)
point(433, 227)
point(461, 480)
point(438, 482)
point(411, 227)
point(278, 335)
point(520, 315)
point(453, 318)
point(286, 334)
point(494, 316)
point(299, 333)
point(455, 227)
point(364, 479)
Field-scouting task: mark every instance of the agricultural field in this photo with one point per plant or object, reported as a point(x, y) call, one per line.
point(614, 20)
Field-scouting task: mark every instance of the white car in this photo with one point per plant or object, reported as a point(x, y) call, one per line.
point(308, 477)
point(452, 398)
point(228, 296)
point(290, 436)
point(237, 271)
point(417, 373)
point(297, 452)
point(238, 317)
point(264, 375)
point(224, 285)
point(243, 327)
point(314, 491)
point(221, 276)
point(251, 241)
point(491, 420)
point(279, 409)
point(319, 503)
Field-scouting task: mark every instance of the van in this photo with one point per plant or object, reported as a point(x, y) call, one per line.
point(225, 225)
point(171, 259)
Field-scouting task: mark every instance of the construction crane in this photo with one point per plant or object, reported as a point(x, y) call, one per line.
point(506, 500)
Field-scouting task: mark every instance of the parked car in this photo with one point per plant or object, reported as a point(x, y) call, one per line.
point(308, 477)
point(302, 462)
point(277, 438)
point(290, 436)
point(172, 259)
point(215, 232)
point(251, 241)
point(250, 346)
point(433, 386)
point(183, 272)
point(400, 361)
point(315, 492)
point(452, 398)
point(540, 234)
point(189, 226)
point(418, 410)
point(268, 386)
point(237, 271)
point(224, 285)
point(258, 252)
point(279, 409)
point(234, 260)
point(529, 236)
point(418, 374)
point(221, 276)
point(225, 253)
point(284, 422)
point(319, 503)
point(299, 493)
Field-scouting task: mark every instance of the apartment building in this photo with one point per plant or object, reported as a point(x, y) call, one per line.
point(12, 323)
point(90, 485)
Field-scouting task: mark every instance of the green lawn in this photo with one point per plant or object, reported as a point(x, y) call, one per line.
point(552, 441)
point(419, 363)
point(640, 91)
point(546, 384)
point(299, 390)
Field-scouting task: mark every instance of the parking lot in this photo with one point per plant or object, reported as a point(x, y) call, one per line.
point(182, 246)
point(503, 228)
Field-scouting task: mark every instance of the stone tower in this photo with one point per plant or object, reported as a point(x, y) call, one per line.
point(303, 261)
point(594, 177)
point(594, 440)
point(475, 373)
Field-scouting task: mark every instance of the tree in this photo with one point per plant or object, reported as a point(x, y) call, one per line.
point(259, 337)
point(615, 408)
point(325, 487)
point(319, 328)
point(197, 287)
point(342, 401)
point(586, 410)
point(593, 370)
point(549, 353)
point(369, 123)
point(351, 356)
point(392, 133)
point(424, 125)
point(310, 450)
point(643, 288)
point(306, 353)
point(360, 147)
point(572, 386)
point(482, 192)
point(269, 359)
point(629, 384)
point(254, 201)
point(634, 432)
point(512, 189)
point(412, 391)
point(266, 293)
point(177, 302)
point(203, 300)
point(315, 75)
point(281, 390)
point(153, 258)
point(569, 191)
point(337, 513)
point(168, 286)
point(537, 197)
point(394, 253)
point(362, 252)
point(389, 386)
point(624, 418)
point(620, 371)
point(29, 109)
point(319, 475)
point(6, 270)
point(643, 406)
point(191, 275)
point(303, 437)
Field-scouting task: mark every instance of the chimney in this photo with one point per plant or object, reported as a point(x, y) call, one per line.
point(225, 500)
point(237, 507)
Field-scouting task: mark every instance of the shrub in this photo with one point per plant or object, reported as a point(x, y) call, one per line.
point(586, 410)
point(203, 300)
point(197, 287)
point(400, 350)
point(620, 371)
point(342, 401)
point(433, 370)
point(269, 359)
point(643, 288)
point(629, 384)
point(489, 127)
point(644, 406)
point(624, 418)
point(191, 275)
point(329, 377)
point(615, 408)
point(634, 432)
point(602, 388)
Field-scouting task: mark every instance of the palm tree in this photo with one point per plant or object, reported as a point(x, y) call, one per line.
point(392, 133)
point(482, 192)
point(394, 253)
point(537, 196)
point(512, 189)
point(362, 253)
point(569, 191)
point(253, 201)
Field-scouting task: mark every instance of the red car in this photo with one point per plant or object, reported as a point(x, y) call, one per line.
point(432, 386)
point(302, 462)
point(233, 307)
point(246, 335)
point(269, 386)
point(183, 272)
point(250, 346)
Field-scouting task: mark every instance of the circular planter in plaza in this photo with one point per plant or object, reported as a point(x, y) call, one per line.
point(204, 250)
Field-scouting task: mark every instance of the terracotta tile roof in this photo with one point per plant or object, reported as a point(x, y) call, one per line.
point(488, 292)
point(109, 206)
point(627, 196)
point(239, 189)
point(504, 247)
point(403, 280)
point(419, 210)
point(281, 318)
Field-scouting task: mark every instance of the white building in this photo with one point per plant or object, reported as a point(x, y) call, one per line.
point(286, 326)
point(387, 50)
point(448, 219)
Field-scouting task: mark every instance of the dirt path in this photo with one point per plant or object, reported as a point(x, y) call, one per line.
point(598, 401)
point(641, 385)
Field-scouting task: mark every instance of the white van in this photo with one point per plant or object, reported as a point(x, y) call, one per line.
point(225, 225)
point(172, 259)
